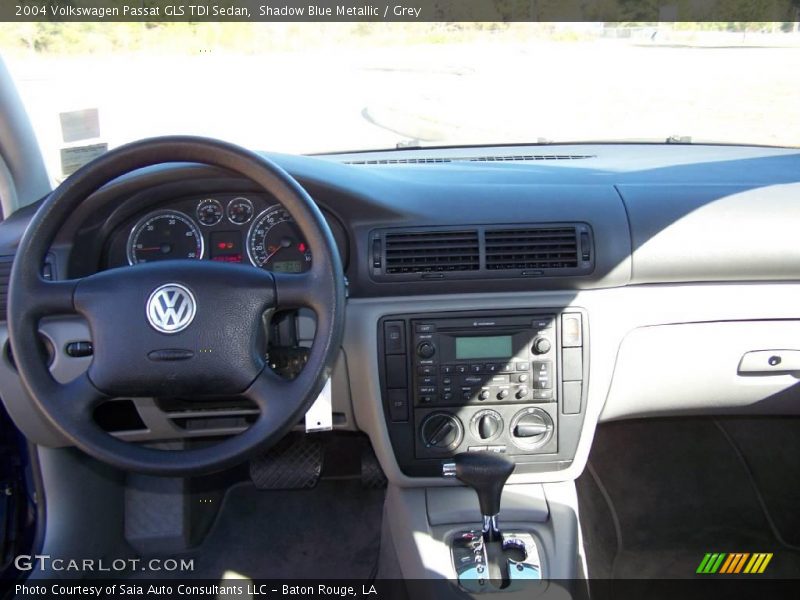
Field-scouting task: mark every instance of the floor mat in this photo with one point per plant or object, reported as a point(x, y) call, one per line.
point(674, 489)
point(329, 532)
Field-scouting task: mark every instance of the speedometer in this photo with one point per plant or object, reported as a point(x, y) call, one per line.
point(275, 243)
point(164, 235)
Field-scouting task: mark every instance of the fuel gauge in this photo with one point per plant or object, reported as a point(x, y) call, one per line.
point(240, 210)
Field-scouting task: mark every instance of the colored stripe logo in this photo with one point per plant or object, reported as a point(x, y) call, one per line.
point(734, 563)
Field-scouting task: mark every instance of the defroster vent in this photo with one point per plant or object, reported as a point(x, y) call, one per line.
point(432, 251)
point(532, 248)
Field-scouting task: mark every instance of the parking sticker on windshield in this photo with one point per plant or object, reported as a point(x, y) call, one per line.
point(77, 125)
point(320, 416)
point(75, 157)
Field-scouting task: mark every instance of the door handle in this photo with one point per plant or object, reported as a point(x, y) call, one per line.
point(770, 362)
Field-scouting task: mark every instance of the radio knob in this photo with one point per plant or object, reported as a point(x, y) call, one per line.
point(541, 346)
point(502, 394)
point(484, 395)
point(426, 350)
point(521, 393)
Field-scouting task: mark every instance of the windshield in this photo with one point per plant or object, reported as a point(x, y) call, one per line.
point(313, 87)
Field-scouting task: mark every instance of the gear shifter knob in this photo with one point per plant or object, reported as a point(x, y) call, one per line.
point(486, 473)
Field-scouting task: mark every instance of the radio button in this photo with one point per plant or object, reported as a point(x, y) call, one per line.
point(461, 369)
point(472, 380)
point(507, 368)
point(522, 377)
point(542, 394)
point(426, 370)
point(427, 381)
point(446, 369)
point(426, 350)
point(425, 327)
point(426, 399)
point(493, 368)
point(523, 366)
point(427, 390)
point(467, 395)
point(542, 375)
point(476, 368)
point(447, 380)
point(447, 397)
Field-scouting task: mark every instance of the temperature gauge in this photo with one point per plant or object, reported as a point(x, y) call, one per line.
point(209, 212)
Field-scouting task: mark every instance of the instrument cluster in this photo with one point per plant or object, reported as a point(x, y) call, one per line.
point(233, 228)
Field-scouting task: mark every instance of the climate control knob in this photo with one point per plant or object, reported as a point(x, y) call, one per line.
point(426, 350)
point(441, 431)
point(487, 424)
point(541, 345)
point(531, 428)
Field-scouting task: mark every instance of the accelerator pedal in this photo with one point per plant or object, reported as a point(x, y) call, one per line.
point(294, 463)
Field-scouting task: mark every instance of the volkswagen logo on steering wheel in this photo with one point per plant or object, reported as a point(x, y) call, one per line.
point(170, 308)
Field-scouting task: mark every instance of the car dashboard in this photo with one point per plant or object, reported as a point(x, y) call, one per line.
point(500, 299)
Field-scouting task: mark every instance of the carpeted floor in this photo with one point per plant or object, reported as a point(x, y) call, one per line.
point(331, 531)
point(659, 494)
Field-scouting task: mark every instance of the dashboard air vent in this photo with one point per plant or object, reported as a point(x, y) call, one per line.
point(539, 248)
point(5, 273)
point(432, 251)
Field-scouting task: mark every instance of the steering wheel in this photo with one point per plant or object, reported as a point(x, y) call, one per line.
point(175, 328)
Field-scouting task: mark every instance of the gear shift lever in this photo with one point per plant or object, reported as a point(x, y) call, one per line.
point(486, 473)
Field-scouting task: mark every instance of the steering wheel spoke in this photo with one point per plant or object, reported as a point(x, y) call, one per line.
point(78, 398)
point(296, 290)
point(52, 297)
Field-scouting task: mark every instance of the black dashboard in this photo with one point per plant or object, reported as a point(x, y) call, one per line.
point(627, 236)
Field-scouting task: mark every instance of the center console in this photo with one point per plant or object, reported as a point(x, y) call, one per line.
point(512, 382)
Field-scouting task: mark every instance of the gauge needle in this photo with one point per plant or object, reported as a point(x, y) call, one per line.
point(285, 243)
point(273, 253)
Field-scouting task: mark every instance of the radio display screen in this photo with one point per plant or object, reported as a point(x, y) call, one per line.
point(495, 346)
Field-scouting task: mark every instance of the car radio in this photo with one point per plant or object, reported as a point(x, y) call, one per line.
point(458, 361)
point(508, 381)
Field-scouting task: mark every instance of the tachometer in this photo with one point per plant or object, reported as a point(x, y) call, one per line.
point(164, 235)
point(275, 243)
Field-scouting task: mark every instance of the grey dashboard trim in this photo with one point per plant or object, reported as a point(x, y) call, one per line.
point(742, 232)
point(613, 313)
point(695, 368)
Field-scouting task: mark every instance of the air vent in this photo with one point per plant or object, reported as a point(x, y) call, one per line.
point(5, 274)
point(492, 158)
point(540, 248)
point(432, 251)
